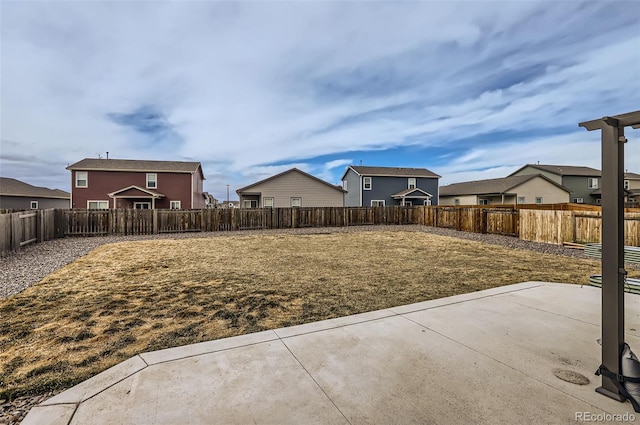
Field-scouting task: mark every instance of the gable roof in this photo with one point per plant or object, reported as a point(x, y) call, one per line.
point(412, 193)
point(242, 189)
point(135, 191)
point(362, 170)
point(563, 170)
point(13, 187)
point(497, 186)
point(136, 165)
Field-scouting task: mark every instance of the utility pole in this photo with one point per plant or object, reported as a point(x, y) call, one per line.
point(227, 196)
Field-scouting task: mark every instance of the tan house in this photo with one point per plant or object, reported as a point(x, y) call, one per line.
point(583, 182)
point(527, 189)
point(632, 187)
point(292, 188)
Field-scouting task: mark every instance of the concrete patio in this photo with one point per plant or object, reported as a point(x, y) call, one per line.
point(487, 357)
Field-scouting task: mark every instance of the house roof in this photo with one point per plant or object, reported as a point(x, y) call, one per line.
point(243, 189)
point(390, 171)
point(631, 176)
point(563, 170)
point(497, 186)
point(409, 193)
point(102, 164)
point(134, 189)
point(13, 187)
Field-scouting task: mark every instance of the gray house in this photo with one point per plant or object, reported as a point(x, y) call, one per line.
point(583, 182)
point(17, 195)
point(388, 186)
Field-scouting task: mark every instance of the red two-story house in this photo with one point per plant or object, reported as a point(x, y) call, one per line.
point(98, 183)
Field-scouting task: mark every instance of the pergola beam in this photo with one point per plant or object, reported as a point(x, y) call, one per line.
point(613, 272)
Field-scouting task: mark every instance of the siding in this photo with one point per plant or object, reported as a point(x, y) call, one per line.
point(297, 185)
point(383, 187)
point(539, 187)
point(464, 200)
point(579, 187)
point(174, 187)
point(352, 197)
point(24, 202)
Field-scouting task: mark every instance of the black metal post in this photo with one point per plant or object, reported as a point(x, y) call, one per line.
point(612, 253)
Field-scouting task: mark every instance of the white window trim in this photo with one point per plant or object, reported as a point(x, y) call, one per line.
point(427, 202)
point(578, 200)
point(97, 200)
point(172, 203)
point(31, 205)
point(483, 202)
point(86, 179)
point(522, 200)
point(378, 201)
point(344, 185)
point(264, 201)
point(253, 203)
point(296, 197)
point(364, 183)
point(140, 203)
point(626, 184)
point(155, 180)
point(408, 203)
point(456, 201)
point(593, 183)
point(415, 183)
point(538, 199)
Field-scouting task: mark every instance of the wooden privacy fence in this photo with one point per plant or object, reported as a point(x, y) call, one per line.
point(25, 227)
point(557, 227)
point(549, 226)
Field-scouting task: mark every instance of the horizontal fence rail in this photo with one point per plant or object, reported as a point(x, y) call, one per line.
point(564, 223)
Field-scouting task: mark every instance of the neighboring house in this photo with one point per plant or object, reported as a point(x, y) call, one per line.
point(387, 186)
point(632, 185)
point(209, 200)
point(127, 183)
point(17, 195)
point(583, 182)
point(527, 189)
point(292, 188)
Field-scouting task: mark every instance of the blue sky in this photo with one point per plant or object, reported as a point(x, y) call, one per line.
point(469, 90)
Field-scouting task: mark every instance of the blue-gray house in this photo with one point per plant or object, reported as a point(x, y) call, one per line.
point(387, 186)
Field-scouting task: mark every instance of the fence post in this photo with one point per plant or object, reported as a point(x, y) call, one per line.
point(39, 226)
point(155, 221)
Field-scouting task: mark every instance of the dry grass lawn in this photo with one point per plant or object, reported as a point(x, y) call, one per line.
point(130, 297)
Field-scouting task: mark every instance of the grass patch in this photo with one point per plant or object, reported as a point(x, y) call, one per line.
point(130, 297)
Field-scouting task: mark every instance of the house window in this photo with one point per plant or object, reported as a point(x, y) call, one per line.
point(152, 181)
point(33, 205)
point(626, 184)
point(593, 183)
point(483, 202)
point(456, 201)
point(82, 180)
point(98, 205)
point(377, 203)
point(175, 205)
point(249, 203)
point(366, 183)
point(142, 205)
point(538, 200)
point(267, 202)
point(412, 183)
point(296, 202)
point(522, 199)
point(344, 185)
point(598, 201)
point(427, 202)
point(408, 203)
point(578, 200)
